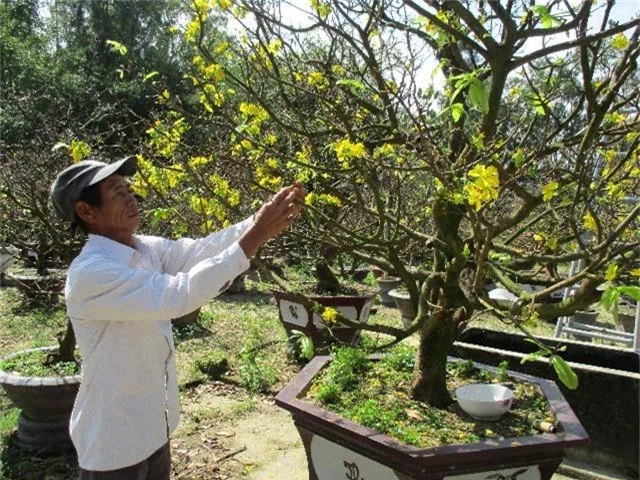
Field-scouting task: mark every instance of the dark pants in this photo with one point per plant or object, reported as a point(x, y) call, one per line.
point(156, 467)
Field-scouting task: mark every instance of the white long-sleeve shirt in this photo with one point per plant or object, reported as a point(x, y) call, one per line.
point(121, 301)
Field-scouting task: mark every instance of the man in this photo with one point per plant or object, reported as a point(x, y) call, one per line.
point(122, 292)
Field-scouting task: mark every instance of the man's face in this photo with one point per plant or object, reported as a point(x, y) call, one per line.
point(117, 217)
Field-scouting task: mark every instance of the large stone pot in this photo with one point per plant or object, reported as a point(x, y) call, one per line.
point(187, 318)
point(386, 284)
point(295, 316)
point(606, 400)
point(44, 289)
point(402, 300)
point(45, 405)
point(338, 448)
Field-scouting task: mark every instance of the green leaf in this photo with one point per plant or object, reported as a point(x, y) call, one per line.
point(532, 357)
point(352, 84)
point(149, 76)
point(457, 109)
point(633, 292)
point(538, 104)
point(117, 47)
point(478, 95)
point(545, 16)
point(610, 298)
point(307, 349)
point(565, 373)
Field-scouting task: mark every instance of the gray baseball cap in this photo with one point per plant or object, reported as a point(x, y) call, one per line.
point(71, 182)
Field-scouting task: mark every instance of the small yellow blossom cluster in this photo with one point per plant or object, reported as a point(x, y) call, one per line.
point(330, 315)
point(346, 150)
point(322, 199)
point(482, 186)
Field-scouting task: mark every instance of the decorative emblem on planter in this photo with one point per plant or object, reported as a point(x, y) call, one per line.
point(294, 313)
point(332, 462)
point(353, 472)
point(523, 473)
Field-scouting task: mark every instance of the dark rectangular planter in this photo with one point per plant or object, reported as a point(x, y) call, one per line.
point(606, 401)
point(338, 448)
point(296, 316)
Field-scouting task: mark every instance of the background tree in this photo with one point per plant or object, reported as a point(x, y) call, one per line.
point(536, 128)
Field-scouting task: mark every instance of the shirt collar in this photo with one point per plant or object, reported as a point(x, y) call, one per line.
point(118, 251)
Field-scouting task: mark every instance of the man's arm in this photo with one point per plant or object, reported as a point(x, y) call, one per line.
point(102, 289)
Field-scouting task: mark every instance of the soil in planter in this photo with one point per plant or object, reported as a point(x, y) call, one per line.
point(376, 395)
point(34, 364)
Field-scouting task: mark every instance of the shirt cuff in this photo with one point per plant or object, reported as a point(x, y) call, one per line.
point(237, 259)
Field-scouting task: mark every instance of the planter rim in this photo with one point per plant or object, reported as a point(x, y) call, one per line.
point(567, 341)
point(571, 433)
point(399, 294)
point(23, 381)
point(339, 298)
point(595, 368)
point(388, 278)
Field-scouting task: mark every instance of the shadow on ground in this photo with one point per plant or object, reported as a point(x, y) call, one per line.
point(17, 464)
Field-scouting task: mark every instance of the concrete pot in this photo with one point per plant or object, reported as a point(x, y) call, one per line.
point(295, 316)
point(45, 405)
point(40, 288)
point(606, 400)
point(237, 285)
point(403, 303)
point(338, 448)
point(186, 319)
point(386, 284)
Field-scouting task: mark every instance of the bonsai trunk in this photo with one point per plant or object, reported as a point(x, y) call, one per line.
point(327, 282)
point(66, 347)
point(429, 376)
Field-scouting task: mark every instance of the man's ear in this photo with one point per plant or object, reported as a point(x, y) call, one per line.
point(85, 212)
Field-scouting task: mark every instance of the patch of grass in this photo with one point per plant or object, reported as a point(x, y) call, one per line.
point(35, 364)
point(377, 395)
point(8, 417)
point(246, 405)
point(26, 326)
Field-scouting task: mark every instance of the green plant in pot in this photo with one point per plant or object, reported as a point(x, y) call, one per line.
point(497, 172)
point(43, 382)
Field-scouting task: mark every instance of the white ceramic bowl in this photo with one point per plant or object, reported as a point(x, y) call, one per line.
point(484, 401)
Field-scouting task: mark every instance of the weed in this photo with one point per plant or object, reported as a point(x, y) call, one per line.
point(214, 364)
point(501, 374)
point(463, 368)
point(370, 280)
point(256, 374)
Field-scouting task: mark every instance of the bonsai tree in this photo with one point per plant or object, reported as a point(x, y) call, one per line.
point(518, 159)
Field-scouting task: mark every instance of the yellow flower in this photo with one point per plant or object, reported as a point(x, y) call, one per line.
point(79, 150)
point(322, 198)
point(317, 79)
point(620, 41)
point(589, 222)
point(345, 150)
point(549, 191)
point(322, 8)
point(611, 273)
point(635, 272)
point(483, 186)
point(330, 315)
